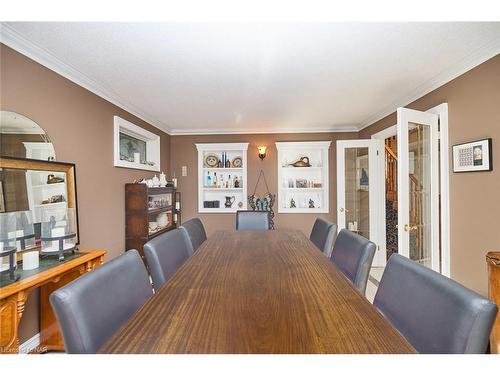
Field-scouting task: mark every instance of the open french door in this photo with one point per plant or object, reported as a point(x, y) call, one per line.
point(357, 184)
point(418, 187)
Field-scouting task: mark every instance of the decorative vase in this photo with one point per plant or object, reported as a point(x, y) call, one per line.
point(156, 181)
point(163, 180)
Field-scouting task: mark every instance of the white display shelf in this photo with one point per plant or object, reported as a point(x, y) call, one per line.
point(222, 169)
point(56, 204)
point(222, 189)
point(48, 185)
point(303, 189)
point(318, 154)
point(207, 193)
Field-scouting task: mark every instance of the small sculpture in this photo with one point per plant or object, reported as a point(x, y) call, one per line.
point(311, 203)
point(292, 203)
point(163, 180)
point(156, 181)
point(302, 162)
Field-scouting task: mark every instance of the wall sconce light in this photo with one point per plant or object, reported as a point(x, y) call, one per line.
point(262, 152)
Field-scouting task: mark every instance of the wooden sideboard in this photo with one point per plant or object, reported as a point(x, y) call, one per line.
point(493, 260)
point(50, 276)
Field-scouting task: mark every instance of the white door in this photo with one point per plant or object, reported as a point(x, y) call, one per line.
point(418, 187)
point(357, 184)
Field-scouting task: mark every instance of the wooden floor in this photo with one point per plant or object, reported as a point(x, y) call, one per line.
point(258, 292)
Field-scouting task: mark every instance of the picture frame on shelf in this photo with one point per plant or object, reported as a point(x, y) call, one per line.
point(473, 156)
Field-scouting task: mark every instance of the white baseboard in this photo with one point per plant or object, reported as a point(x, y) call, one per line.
point(29, 344)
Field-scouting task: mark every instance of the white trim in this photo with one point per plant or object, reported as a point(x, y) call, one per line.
point(11, 38)
point(477, 57)
point(152, 145)
point(342, 129)
point(442, 111)
point(30, 344)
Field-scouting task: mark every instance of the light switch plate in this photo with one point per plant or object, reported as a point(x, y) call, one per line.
point(184, 171)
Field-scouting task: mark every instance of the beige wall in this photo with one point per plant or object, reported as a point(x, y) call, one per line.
point(80, 125)
point(474, 113)
point(184, 153)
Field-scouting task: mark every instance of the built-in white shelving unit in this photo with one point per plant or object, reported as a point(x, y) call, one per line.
point(217, 183)
point(303, 186)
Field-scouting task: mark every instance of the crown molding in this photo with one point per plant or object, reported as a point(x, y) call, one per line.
point(475, 58)
point(340, 129)
point(19, 43)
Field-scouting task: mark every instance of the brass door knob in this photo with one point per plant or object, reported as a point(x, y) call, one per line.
point(410, 228)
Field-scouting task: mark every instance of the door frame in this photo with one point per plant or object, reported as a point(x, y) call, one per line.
point(374, 185)
point(442, 111)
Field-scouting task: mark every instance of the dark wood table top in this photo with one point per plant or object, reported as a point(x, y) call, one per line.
point(257, 292)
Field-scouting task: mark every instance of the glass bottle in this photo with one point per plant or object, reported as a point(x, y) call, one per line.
point(209, 180)
point(215, 179)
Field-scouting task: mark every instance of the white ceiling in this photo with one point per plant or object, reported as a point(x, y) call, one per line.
point(259, 78)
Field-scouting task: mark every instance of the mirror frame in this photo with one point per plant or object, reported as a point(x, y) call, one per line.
point(56, 166)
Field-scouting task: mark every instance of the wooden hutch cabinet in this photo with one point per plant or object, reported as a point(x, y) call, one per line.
point(149, 212)
point(493, 261)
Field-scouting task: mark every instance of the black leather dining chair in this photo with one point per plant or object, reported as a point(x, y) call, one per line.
point(252, 220)
point(323, 235)
point(434, 313)
point(353, 255)
point(93, 307)
point(166, 253)
point(196, 232)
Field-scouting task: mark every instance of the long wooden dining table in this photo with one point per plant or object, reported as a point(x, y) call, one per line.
point(258, 292)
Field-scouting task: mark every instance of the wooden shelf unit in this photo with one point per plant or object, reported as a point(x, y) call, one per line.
point(139, 215)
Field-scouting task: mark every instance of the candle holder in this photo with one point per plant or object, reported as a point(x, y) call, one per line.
point(58, 232)
point(8, 244)
point(25, 230)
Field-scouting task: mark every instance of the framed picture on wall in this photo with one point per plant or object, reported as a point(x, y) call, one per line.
point(473, 156)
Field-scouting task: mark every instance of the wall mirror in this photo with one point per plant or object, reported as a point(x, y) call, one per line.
point(21, 137)
point(35, 194)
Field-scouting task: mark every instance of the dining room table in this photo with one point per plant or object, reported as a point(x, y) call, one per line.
point(258, 292)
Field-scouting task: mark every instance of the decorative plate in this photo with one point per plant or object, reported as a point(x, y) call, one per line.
point(211, 160)
point(237, 162)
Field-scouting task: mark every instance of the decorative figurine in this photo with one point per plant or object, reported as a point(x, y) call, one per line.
point(156, 181)
point(240, 204)
point(163, 180)
point(302, 162)
point(311, 203)
point(292, 203)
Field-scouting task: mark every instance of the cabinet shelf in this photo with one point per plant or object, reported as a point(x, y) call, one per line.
point(49, 185)
point(303, 189)
point(222, 189)
point(161, 209)
point(221, 169)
